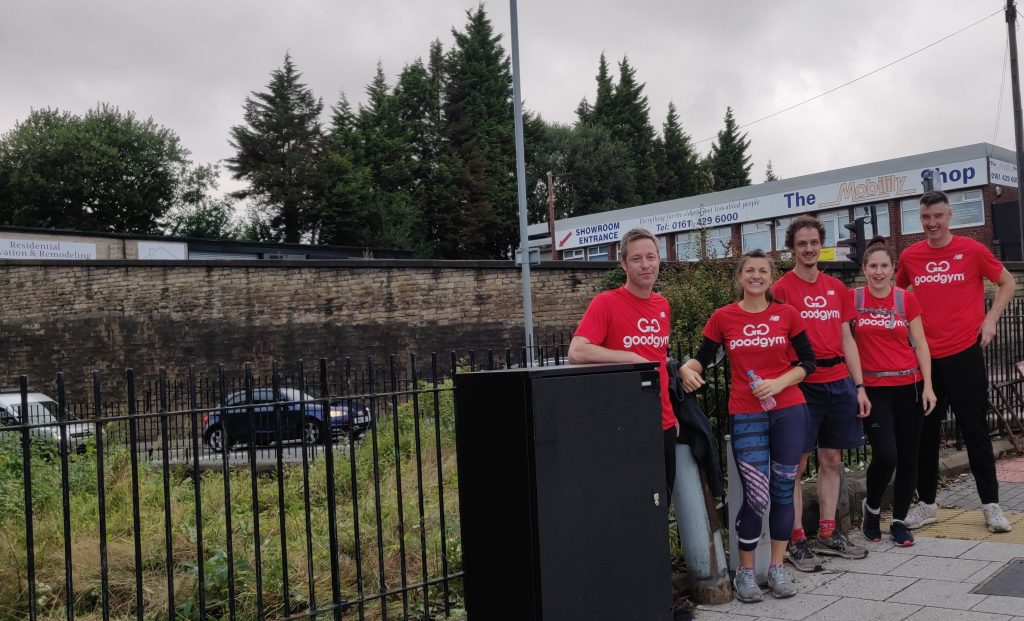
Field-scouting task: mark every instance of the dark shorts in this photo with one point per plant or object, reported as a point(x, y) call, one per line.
point(832, 416)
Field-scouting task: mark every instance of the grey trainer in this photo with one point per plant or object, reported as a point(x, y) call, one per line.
point(780, 582)
point(746, 586)
point(994, 518)
point(838, 545)
point(802, 558)
point(921, 515)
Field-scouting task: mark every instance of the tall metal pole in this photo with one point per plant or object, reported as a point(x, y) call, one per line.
point(524, 240)
point(1018, 127)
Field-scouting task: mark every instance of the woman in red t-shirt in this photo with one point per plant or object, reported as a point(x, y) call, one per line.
point(898, 379)
point(767, 412)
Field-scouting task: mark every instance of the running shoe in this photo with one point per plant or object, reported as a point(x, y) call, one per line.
point(838, 545)
point(922, 515)
point(746, 587)
point(780, 583)
point(871, 524)
point(994, 518)
point(802, 558)
point(900, 535)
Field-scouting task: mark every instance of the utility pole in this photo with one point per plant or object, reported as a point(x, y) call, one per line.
point(551, 216)
point(524, 239)
point(1018, 130)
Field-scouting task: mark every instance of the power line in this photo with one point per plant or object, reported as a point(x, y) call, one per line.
point(1002, 86)
point(857, 79)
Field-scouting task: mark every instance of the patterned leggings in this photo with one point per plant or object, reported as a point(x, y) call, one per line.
point(767, 448)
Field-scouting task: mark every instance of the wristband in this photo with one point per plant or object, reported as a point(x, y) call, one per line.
point(858, 386)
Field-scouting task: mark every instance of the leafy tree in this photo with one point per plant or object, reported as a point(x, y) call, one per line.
point(629, 122)
point(254, 225)
point(729, 160)
point(198, 214)
point(676, 160)
point(278, 148)
point(104, 171)
point(769, 173)
point(477, 108)
point(345, 186)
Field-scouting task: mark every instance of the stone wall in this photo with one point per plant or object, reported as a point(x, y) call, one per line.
point(75, 316)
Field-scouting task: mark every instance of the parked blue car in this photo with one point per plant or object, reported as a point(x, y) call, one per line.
point(300, 414)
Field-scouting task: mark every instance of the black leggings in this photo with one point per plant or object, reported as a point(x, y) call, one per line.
point(894, 430)
point(669, 436)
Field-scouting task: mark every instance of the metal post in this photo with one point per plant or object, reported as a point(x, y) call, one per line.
point(1018, 130)
point(524, 241)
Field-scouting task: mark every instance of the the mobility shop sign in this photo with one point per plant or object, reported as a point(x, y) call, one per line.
point(39, 249)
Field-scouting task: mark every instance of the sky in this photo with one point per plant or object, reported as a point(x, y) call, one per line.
point(189, 64)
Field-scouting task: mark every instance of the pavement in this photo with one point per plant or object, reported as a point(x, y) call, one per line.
point(936, 579)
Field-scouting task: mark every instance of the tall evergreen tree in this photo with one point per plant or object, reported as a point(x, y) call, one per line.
point(730, 163)
point(676, 160)
point(345, 185)
point(600, 112)
point(769, 173)
point(478, 112)
point(278, 149)
point(629, 120)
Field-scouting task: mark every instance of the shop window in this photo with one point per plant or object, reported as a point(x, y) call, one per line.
point(756, 235)
point(573, 254)
point(597, 253)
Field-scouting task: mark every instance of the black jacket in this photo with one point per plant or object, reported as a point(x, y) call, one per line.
point(695, 430)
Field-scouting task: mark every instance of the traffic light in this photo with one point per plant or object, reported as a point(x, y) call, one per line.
point(856, 239)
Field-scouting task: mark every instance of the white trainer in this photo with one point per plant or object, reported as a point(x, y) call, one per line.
point(922, 514)
point(994, 518)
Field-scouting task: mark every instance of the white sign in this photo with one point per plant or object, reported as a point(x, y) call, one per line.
point(843, 194)
point(162, 251)
point(37, 249)
point(1002, 173)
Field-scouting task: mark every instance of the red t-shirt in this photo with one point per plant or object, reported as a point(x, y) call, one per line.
point(948, 281)
point(824, 306)
point(883, 348)
point(619, 320)
point(758, 342)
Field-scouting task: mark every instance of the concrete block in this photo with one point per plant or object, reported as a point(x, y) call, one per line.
point(865, 586)
point(850, 609)
point(938, 568)
point(938, 594)
point(996, 604)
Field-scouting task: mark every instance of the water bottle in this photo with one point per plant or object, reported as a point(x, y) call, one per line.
point(768, 403)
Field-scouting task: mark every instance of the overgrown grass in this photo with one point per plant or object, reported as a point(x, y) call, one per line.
point(349, 483)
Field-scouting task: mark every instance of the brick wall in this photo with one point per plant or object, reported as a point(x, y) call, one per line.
point(105, 315)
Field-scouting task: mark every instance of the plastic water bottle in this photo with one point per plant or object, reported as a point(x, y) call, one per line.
point(768, 403)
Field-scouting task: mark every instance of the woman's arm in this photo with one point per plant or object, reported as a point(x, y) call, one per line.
point(804, 367)
point(924, 363)
point(691, 370)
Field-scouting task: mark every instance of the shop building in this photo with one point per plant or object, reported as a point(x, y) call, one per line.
point(980, 180)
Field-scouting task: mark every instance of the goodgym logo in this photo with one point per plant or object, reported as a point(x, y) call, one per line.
point(752, 330)
point(649, 330)
point(646, 326)
point(815, 301)
point(937, 272)
point(757, 336)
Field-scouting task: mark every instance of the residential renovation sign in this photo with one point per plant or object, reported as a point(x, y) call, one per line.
point(45, 249)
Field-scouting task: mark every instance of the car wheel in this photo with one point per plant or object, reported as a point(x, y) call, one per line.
point(311, 431)
point(215, 438)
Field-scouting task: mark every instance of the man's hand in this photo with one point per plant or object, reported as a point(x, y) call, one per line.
point(691, 379)
point(863, 404)
point(987, 331)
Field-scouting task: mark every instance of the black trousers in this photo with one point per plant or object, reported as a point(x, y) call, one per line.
point(960, 382)
point(894, 430)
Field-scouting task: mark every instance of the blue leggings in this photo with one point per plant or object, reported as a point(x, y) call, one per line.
point(765, 442)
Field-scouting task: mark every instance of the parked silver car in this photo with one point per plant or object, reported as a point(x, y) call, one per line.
point(44, 416)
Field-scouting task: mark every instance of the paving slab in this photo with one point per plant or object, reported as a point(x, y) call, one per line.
point(876, 563)
point(938, 568)
point(793, 608)
point(984, 574)
point(945, 614)
point(1001, 605)
point(994, 551)
point(711, 615)
point(811, 581)
point(938, 594)
point(928, 546)
point(865, 586)
point(851, 609)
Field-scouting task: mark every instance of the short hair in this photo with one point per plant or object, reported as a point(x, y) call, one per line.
point(631, 236)
point(877, 244)
point(756, 253)
point(804, 221)
point(934, 198)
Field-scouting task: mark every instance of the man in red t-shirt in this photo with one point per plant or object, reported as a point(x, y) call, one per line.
point(835, 402)
point(632, 324)
point(946, 272)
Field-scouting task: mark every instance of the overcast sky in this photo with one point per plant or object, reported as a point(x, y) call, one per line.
point(189, 64)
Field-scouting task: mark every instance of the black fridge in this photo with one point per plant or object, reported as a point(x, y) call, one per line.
point(562, 498)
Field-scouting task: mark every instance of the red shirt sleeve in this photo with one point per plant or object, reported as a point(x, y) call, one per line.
point(902, 278)
point(913, 306)
point(796, 322)
point(849, 311)
point(594, 325)
point(713, 329)
point(990, 267)
point(779, 291)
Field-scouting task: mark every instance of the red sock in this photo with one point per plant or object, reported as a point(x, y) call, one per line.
point(826, 528)
point(797, 536)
